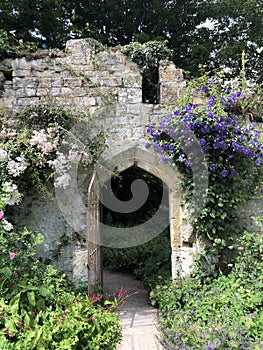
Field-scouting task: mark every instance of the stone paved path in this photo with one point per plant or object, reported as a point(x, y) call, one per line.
point(139, 318)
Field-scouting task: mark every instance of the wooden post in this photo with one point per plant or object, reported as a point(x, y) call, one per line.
point(93, 239)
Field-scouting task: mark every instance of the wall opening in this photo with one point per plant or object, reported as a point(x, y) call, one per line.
point(8, 75)
point(148, 260)
point(151, 86)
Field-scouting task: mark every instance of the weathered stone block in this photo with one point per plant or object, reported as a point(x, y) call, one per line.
point(30, 91)
point(22, 73)
point(132, 81)
point(80, 262)
point(169, 73)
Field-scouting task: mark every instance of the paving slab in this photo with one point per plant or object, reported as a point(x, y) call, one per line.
point(138, 318)
point(140, 329)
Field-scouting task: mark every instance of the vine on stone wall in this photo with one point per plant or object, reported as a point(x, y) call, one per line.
point(233, 152)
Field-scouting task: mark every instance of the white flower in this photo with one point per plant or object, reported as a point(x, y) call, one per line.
point(45, 142)
point(17, 167)
point(7, 226)
point(6, 133)
point(86, 158)
point(62, 181)
point(38, 137)
point(3, 155)
point(10, 194)
point(15, 198)
point(60, 163)
point(73, 156)
point(9, 187)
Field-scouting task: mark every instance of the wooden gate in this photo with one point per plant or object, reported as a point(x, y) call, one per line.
point(93, 238)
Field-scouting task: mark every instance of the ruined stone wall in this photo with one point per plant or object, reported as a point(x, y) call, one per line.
point(107, 85)
point(103, 83)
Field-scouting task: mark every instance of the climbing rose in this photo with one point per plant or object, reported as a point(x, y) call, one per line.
point(1, 214)
point(12, 255)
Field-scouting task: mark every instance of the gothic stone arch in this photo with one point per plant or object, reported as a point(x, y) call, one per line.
point(146, 160)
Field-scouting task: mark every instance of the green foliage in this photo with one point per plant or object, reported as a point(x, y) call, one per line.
point(39, 308)
point(30, 151)
point(6, 47)
point(10, 46)
point(235, 27)
point(232, 26)
point(220, 314)
point(149, 54)
point(121, 185)
point(41, 116)
point(33, 21)
point(150, 262)
point(73, 323)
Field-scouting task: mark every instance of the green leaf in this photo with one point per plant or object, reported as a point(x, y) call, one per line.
point(2, 283)
point(31, 298)
point(26, 320)
point(38, 334)
point(40, 304)
point(14, 302)
point(10, 325)
point(45, 292)
point(6, 271)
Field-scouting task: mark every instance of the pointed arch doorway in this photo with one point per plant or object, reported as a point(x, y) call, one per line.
point(119, 162)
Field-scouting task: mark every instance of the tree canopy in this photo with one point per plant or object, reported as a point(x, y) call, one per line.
point(233, 26)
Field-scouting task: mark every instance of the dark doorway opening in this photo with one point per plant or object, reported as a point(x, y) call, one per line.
point(151, 86)
point(149, 261)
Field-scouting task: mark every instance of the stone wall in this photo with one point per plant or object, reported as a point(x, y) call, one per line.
point(107, 85)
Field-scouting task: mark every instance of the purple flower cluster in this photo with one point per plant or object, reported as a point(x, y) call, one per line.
point(216, 130)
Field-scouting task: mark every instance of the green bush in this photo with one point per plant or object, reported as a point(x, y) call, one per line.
point(10, 46)
point(150, 262)
point(224, 313)
point(6, 47)
point(39, 308)
point(73, 322)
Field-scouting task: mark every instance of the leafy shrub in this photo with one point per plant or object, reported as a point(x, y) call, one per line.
point(148, 56)
point(31, 151)
point(39, 308)
point(10, 45)
point(74, 322)
point(149, 262)
point(6, 47)
point(224, 313)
